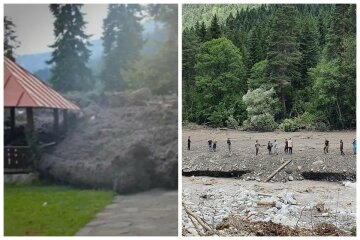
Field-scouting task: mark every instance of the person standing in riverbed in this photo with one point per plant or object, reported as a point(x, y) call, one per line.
point(257, 146)
point(269, 147)
point(290, 146)
point(210, 145)
point(354, 146)
point(229, 144)
point(214, 145)
point(286, 149)
point(189, 143)
point(326, 147)
point(342, 147)
point(276, 147)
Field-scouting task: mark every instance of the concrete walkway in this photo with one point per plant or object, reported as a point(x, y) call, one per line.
point(152, 213)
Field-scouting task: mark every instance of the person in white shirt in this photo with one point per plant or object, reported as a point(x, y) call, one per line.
point(276, 147)
point(290, 145)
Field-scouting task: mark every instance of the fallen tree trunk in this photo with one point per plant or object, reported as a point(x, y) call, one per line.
point(278, 170)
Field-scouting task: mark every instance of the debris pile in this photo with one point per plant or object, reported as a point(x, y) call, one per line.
point(125, 141)
point(215, 202)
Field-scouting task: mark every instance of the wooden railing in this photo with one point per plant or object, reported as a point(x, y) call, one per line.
point(17, 159)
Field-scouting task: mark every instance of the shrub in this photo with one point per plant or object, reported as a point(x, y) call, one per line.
point(261, 106)
point(231, 122)
point(305, 121)
point(263, 122)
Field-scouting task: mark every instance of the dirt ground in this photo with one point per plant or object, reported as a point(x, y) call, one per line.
point(126, 141)
point(290, 204)
point(315, 188)
point(308, 158)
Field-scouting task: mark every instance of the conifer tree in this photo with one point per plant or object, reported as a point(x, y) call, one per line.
point(283, 52)
point(202, 32)
point(309, 49)
point(69, 59)
point(215, 30)
point(10, 39)
point(122, 42)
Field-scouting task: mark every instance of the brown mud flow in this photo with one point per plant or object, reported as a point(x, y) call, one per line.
point(123, 141)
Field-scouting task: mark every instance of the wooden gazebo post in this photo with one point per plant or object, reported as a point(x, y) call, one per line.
point(12, 120)
point(30, 120)
point(56, 121)
point(65, 120)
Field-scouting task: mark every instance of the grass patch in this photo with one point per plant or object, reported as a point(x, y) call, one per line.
point(50, 210)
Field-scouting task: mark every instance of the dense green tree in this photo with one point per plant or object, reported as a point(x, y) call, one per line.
point(341, 27)
point(189, 48)
point(322, 31)
point(10, 39)
point(257, 45)
point(220, 83)
point(327, 89)
point(309, 49)
point(158, 71)
point(202, 33)
point(299, 50)
point(283, 53)
point(122, 42)
point(69, 59)
point(215, 30)
point(258, 77)
point(261, 107)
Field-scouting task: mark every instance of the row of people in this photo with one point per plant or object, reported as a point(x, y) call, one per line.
point(288, 148)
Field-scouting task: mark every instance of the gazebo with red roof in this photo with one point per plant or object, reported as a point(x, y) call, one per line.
point(23, 90)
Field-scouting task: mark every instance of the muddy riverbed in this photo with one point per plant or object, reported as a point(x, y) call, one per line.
point(308, 158)
point(314, 188)
point(295, 203)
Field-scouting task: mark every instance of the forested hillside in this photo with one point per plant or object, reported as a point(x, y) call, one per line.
point(272, 66)
point(191, 13)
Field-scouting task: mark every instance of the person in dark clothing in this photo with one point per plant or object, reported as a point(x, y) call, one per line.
point(229, 144)
point(257, 146)
point(286, 149)
point(189, 143)
point(269, 147)
point(214, 146)
point(210, 145)
point(342, 148)
point(326, 147)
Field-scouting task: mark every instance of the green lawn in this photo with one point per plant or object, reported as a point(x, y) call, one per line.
point(50, 210)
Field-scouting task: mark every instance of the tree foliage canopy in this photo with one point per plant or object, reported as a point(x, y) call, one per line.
point(69, 59)
point(304, 52)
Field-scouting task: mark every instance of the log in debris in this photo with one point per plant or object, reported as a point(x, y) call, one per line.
point(278, 170)
point(193, 216)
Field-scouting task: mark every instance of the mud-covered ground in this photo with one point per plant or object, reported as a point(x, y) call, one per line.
point(315, 188)
point(308, 158)
point(302, 204)
point(126, 142)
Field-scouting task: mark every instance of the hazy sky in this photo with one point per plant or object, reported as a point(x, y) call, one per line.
point(34, 24)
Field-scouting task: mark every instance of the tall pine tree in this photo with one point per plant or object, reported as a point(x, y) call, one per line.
point(283, 53)
point(215, 30)
point(202, 32)
point(10, 39)
point(69, 59)
point(122, 42)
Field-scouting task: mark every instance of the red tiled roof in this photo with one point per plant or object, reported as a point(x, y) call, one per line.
point(23, 89)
